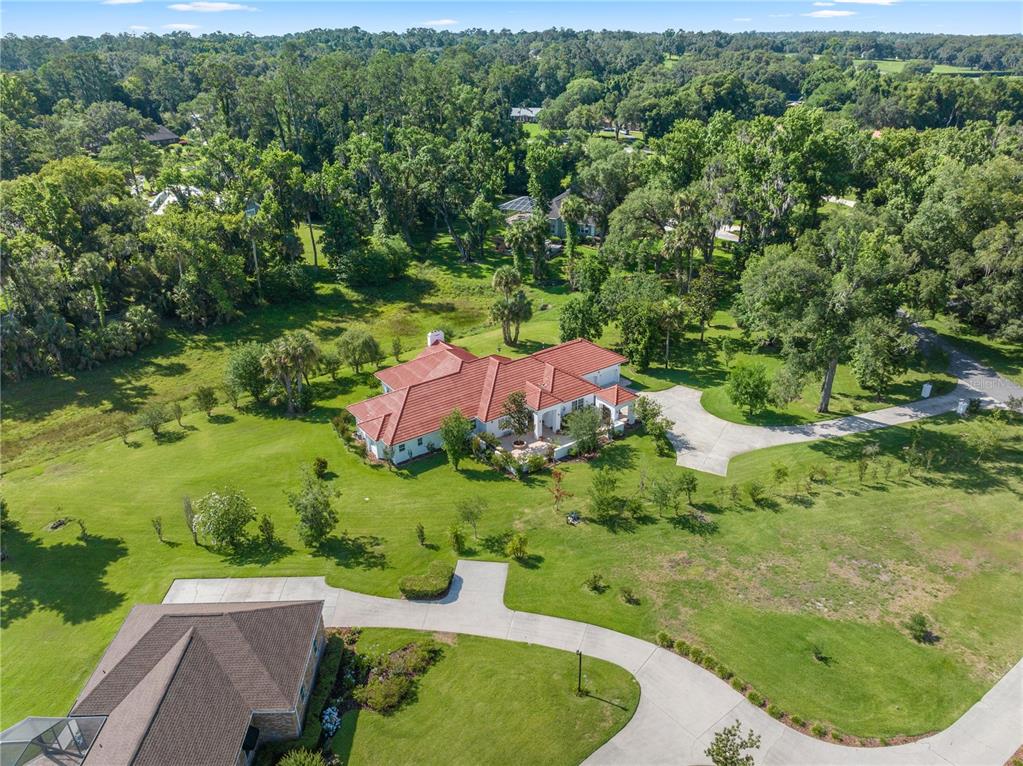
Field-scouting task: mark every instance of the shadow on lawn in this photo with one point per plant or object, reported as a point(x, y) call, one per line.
point(359, 551)
point(66, 578)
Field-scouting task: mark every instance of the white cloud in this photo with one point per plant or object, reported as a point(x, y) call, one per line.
point(868, 2)
point(181, 27)
point(829, 14)
point(206, 6)
point(440, 23)
point(120, 2)
point(821, 5)
point(743, 18)
point(137, 27)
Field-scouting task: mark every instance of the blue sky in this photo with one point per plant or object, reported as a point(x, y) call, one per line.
point(64, 18)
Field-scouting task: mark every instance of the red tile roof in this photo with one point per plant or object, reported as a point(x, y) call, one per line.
point(434, 361)
point(477, 387)
point(615, 395)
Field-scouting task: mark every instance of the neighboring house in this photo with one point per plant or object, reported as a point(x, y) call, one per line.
point(199, 684)
point(525, 113)
point(162, 136)
point(522, 207)
point(405, 420)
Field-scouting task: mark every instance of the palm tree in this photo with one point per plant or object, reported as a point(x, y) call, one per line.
point(287, 359)
point(521, 310)
point(673, 317)
point(506, 279)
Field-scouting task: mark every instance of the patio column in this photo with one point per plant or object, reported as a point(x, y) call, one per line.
point(557, 419)
point(632, 412)
point(537, 424)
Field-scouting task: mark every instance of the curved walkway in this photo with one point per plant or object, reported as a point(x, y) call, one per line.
point(705, 442)
point(681, 705)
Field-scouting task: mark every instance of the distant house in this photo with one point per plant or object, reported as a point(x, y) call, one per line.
point(525, 113)
point(404, 421)
point(162, 136)
point(187, 684)
point(522, 207)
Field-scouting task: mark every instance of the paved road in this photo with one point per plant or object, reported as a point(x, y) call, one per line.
point(681, 705)
point(705, 442)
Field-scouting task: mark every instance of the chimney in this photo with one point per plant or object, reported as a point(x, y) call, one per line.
point(434, 336)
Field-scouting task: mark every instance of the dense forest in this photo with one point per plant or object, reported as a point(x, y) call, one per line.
point(390, 140)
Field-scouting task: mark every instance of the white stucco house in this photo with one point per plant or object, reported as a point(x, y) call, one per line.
point(404, 421)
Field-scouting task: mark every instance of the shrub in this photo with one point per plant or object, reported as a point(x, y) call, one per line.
point(301, 757)
point(919, 628)
point(384, 695)
point(516, 547)
point(629, 597)
point(535, 463)
point(748, 386)
point(433, 584)
point(755, 697)
point(595, 582)
point(152, 416)
point(221, 517)
point(421, 533)
point(738, 684)
point(664, 640)
point(757, 492)
point(774, 711)
point(267, 533)
point(837, 735)
point(683, 647)
point(205, 399)
point(797, 721)
point(819, 730)
point(415, 658)
point(457, 538)
point(724, 672)
point(320, 467)
point(696, 655)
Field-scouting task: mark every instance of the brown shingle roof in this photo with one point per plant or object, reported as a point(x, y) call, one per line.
point(179, 682)
point(478, 388)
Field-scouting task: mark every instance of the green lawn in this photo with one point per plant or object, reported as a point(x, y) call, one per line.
point(847, 564)
point(894, 66)
point(844, 566)
point(705, 366)
point(1004, 357)
point(455, 720)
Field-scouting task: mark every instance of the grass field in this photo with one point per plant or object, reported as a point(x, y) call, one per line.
point(1004, 357)
point(842, 566)
point(453, 720)
point(894, 66)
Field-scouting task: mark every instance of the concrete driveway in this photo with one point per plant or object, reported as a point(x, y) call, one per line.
point(705, 442)
point(681, 705)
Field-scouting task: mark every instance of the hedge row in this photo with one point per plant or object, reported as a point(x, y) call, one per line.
point(270, 752)
point(433, 584)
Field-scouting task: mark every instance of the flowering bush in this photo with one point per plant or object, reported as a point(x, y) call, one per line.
point(331, 721)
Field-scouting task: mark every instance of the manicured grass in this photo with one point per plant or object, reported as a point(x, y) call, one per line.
point(490, 701)
point(847, 563)
point(851, 561)
point(705, 365)
point(1004, 357)
point(894, 66)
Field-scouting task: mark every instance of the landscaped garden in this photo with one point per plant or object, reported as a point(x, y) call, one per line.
point(451, 720)
point(825, 561)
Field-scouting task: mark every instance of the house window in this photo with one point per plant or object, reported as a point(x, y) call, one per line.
point(401, 448)
point(578, 404)
point(301, 692)
point(419, 441)
point(315, 643)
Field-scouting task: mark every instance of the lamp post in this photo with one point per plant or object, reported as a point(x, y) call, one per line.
point(579, 677)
